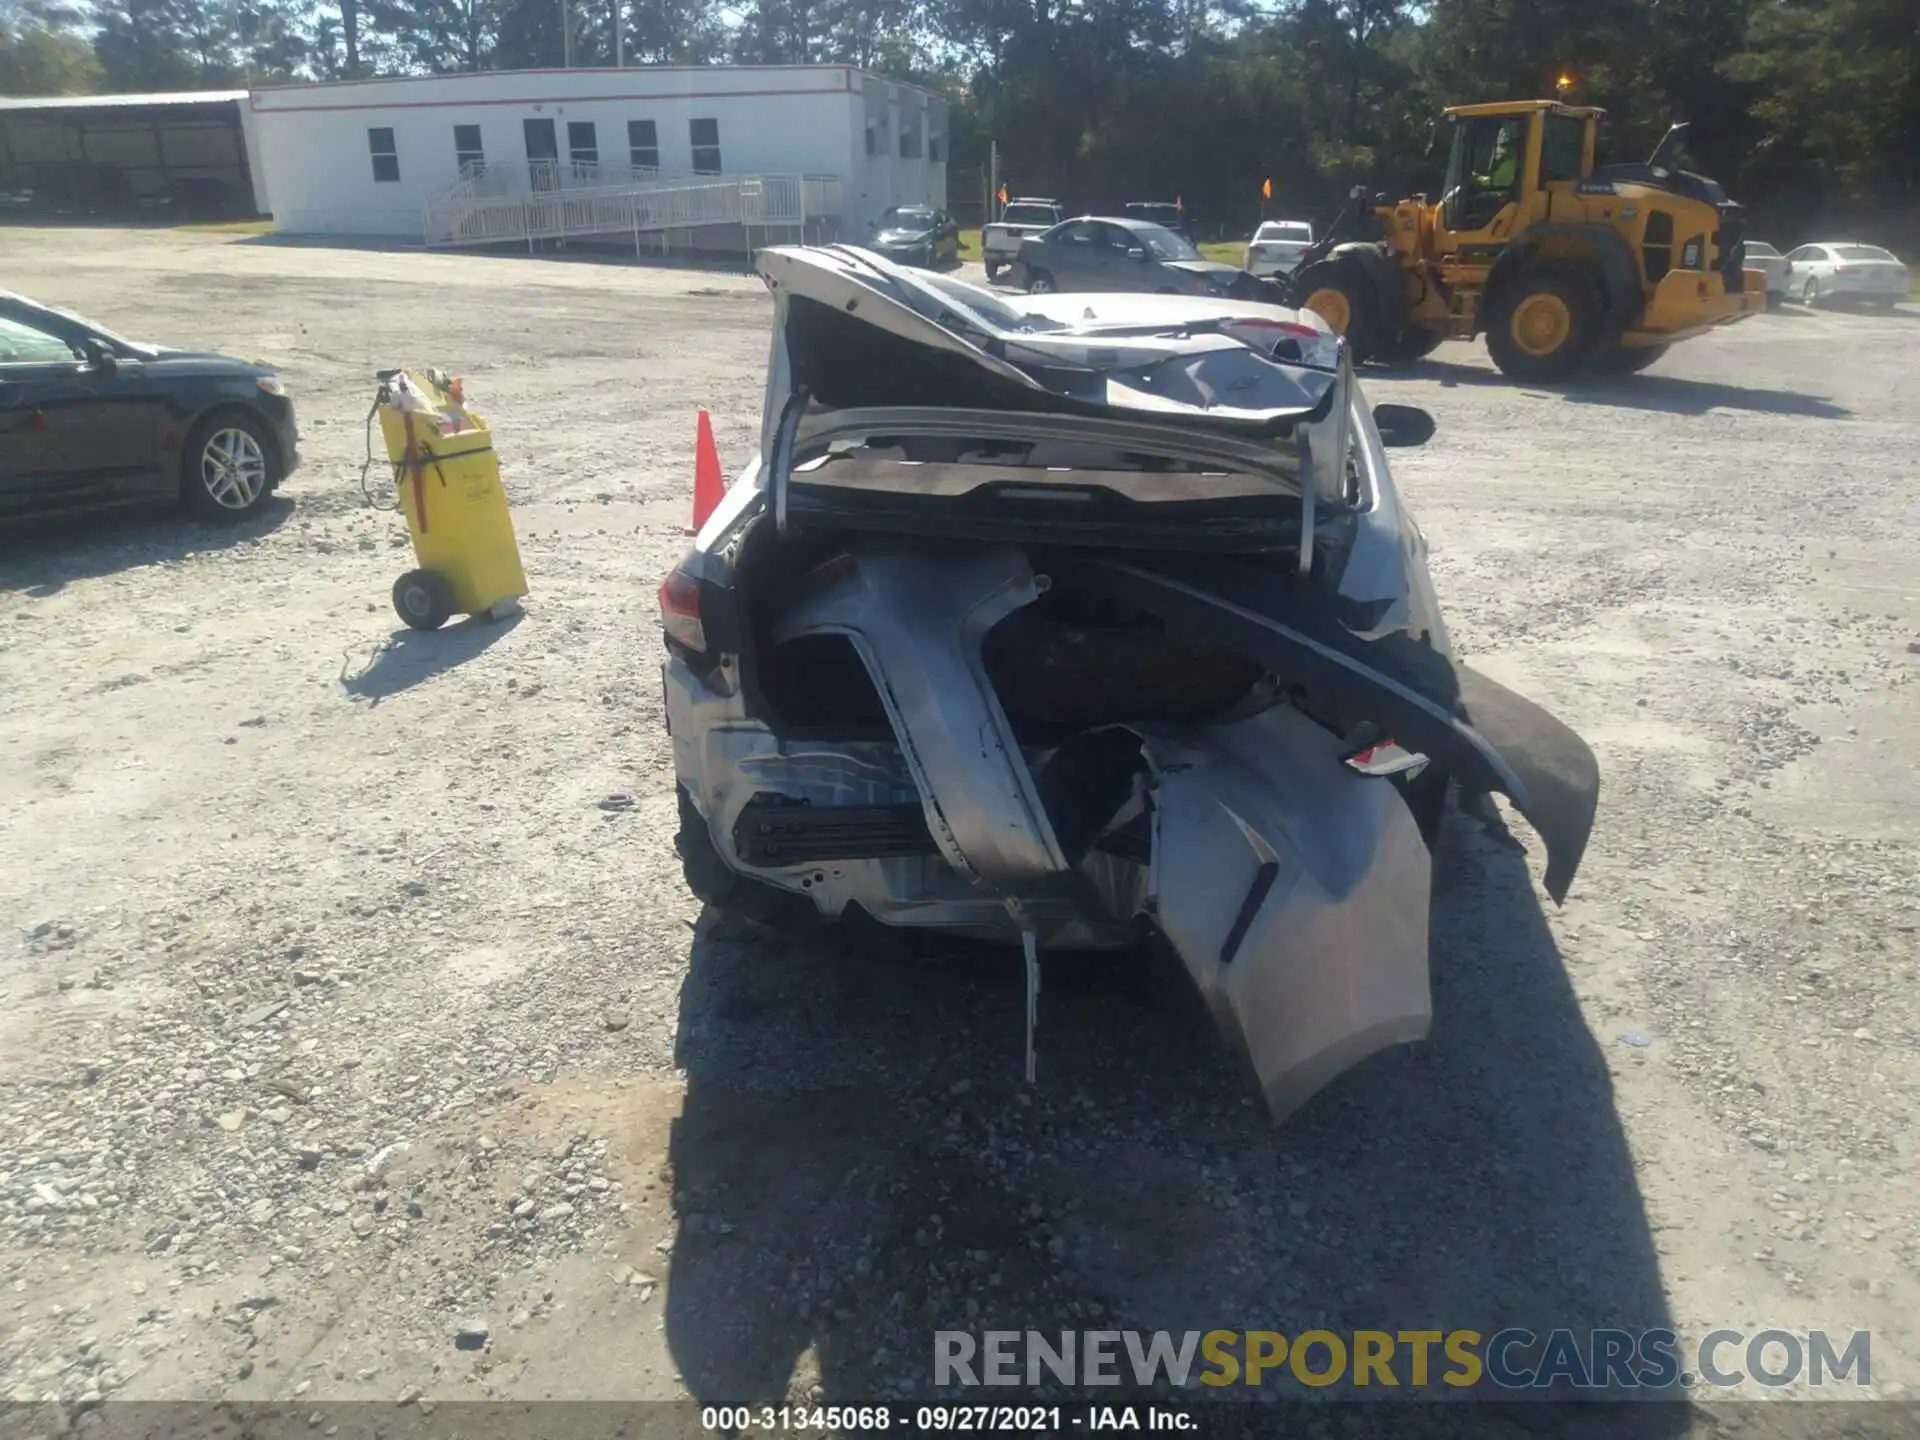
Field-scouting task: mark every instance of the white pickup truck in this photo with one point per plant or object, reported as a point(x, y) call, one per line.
point(1020, 220)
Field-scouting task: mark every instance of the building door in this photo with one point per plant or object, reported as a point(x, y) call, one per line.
point(543, 154)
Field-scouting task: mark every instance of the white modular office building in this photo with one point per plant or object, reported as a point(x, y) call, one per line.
point(491, 157)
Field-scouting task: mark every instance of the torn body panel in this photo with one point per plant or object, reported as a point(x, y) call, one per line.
point(1296, 895)
point(1488, 737)
point(1294, 891)
point(918, 621)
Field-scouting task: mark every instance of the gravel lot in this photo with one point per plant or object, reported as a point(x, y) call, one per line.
point(351, 1004)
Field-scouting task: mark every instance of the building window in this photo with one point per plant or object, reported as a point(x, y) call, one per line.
point(386, 158)
point(936, 149)
point(582, 147)
point(706, 146)
point(467, 153)
point(909, 142)
point(643, 145)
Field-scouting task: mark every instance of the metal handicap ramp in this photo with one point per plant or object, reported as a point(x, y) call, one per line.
point(560, 200)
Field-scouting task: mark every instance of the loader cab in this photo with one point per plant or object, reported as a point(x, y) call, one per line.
point(1505, 166)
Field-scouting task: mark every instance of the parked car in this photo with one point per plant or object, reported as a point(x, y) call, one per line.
point(1777, 268)
point(916, 235)
point(1016, 629)
point(90, 419)
point(1173, 216)
point(1020, 220)
point(1844, 270)
point(1276, 247)
point(1093, 253)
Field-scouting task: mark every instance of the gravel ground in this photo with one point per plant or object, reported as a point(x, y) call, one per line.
point(359, 1041)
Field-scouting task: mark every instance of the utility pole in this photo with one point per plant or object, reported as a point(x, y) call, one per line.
point(619, 38)
point(993, 178)
point(566, 36)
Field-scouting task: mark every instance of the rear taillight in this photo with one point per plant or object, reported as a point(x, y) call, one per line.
point(680, 611)
point(1384, 757)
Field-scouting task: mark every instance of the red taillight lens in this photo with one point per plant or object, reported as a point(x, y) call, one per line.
point(1385, 757)
point(680, 610)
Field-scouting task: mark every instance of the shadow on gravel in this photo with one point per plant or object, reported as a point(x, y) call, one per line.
point(857, 1165)
point(408, 658)
point(1670, 394)
point(41, 557)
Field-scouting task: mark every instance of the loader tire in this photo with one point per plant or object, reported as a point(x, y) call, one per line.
point(1341, 295)
point(1409, 347)
point(1628, 360)
point(1545, 323)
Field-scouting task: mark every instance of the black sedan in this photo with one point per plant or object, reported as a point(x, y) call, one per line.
point(916, 235)
point(89, 419)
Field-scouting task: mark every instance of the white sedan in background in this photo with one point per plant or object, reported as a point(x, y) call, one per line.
point(1778, 269)
point(1847, 271)
point(1277, 246)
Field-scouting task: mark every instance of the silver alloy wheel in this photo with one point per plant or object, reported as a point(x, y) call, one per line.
point(1040, 285)
point(233, 469)
point(1810, 292)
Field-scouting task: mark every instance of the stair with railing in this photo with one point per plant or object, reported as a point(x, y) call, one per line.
point(516, 203)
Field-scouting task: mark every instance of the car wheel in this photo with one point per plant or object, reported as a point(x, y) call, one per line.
point(423, 599)
point(993, 271)
point(715, 883)
point(228, 467)
point(1775, 299)
point(1810, 293)
point(1040, 282)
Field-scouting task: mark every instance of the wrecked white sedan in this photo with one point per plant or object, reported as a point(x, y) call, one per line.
point(1066, 620)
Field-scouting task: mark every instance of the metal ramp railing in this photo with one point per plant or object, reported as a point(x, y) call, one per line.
point(553, 200)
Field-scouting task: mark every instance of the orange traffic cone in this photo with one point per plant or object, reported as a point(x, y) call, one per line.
point(708, 487)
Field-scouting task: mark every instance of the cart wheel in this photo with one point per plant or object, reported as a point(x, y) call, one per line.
point(423, 599)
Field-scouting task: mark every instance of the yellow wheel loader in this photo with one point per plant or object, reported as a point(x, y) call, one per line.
point(1563, 267)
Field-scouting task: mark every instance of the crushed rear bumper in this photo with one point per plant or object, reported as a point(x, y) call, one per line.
point(1294, 890)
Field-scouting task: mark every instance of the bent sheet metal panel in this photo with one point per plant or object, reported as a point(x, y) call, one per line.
point(917, 619)
point(1296, 894)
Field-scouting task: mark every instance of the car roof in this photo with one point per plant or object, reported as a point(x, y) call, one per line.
point(1033, 200)
point(1125, 222)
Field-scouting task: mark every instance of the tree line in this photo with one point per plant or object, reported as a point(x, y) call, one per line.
point(1808, 110)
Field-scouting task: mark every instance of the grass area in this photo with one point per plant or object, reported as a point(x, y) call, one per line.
point(1227, 252)
point(970, 246)
point(230, 227)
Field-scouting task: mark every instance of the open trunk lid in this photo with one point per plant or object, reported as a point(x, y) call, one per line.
point(914, 403)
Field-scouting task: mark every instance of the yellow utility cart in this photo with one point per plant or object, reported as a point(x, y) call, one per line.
point(448, 484)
